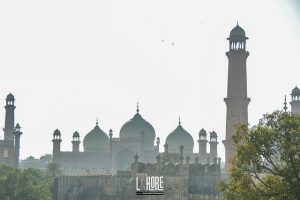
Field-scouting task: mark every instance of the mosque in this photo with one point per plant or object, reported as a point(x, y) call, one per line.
point(102, 151)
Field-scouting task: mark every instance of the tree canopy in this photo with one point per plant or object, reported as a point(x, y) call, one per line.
point(266, 164)
point(28, 184)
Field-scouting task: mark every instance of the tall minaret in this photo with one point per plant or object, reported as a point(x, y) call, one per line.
point(9, 118)
point(237, 100)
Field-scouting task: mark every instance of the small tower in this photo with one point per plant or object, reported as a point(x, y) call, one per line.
point(213, 143)
point(111, 148)
point(76, 141)
point(17, 134)
point(9, 118)
point(295, 103)
point(56, 146)
point(157, 143)
point(237, 100)
point(202, 144)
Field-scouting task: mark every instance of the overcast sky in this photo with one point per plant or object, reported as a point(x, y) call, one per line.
point(69, 62)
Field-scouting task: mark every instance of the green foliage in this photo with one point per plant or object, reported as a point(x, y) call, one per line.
point(29, 184)
point(54, 170)
point(266, 164)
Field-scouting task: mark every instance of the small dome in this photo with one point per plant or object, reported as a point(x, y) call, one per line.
point(56, 132)
point(202, 132)
point(296, 91)
point(180, 137)
point(213, 134)
point(237, 31)
point(96, 141)
point(10, 97)
point(18, 126)
point(76, 134)
point(135, 126)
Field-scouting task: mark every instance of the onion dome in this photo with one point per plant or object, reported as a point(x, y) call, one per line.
point(135, 127)
point(56, 133)
point(237, 31)
point(75, 134)
point(202, 134)
point(10, 97)
point(180, 137)
point(96, 141)
point(213, 136)
point(296, 91)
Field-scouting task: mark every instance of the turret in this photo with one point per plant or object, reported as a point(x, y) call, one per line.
point(56, 145)
point(75, 142)
point(157, 143)
point(17, 134)
point(202, 144)
point(295, 103)
point(213, 143)
point(9, 118)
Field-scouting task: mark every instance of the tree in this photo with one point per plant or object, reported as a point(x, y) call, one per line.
point(54, 170)
point(29, 184)
point(266, 164)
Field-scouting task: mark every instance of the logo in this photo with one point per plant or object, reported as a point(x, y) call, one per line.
point(149, 185)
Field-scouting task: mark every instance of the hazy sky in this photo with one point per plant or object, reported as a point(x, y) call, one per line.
point(69, 62)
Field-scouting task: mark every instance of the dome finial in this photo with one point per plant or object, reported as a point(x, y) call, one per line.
point(137, 107)
point(97, 121)
point(237, 22)
point(179, 122)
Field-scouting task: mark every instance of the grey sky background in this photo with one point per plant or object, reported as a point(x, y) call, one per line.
point(69, 62)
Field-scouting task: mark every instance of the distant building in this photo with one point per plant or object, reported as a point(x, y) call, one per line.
point(10, 146)
point(103, 152)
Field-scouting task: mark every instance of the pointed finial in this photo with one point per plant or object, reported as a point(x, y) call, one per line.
point(137, 107)
point(237, 22)
point(179, 122)
point(97, 121)
point(284, 107)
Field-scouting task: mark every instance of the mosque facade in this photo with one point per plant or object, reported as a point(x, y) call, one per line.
point(104, 153)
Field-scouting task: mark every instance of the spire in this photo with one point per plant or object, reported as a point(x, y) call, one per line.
point(285, 107)
point(237, 22)
point(137, 107)
point(179, 122)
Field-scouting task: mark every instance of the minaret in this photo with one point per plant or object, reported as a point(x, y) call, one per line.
point(9, 118)
point(56, 146)
point(295, 104)
point(213, 145)
point(237, 100)
point(202, 145)
point(17, 134)
point(76, 142)
point(111, 147)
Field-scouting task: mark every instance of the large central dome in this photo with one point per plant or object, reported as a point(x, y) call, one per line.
point(134, 128)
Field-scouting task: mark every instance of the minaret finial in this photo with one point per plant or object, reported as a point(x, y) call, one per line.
point(179, 122)
point(137, 107)
point(97, 121)
point(284, 107)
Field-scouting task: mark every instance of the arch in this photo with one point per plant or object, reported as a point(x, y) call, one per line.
point(124, 159)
